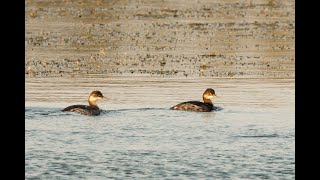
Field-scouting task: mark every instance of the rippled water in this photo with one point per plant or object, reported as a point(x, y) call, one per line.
point(137, 136)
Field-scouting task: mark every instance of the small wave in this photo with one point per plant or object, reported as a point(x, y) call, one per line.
point(133, 109)
point(259, 136)
point(218, 108)
point(36, 111)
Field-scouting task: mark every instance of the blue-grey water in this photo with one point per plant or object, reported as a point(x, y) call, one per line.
point(138, 137)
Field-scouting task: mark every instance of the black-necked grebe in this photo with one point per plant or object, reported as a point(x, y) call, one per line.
point(204, 106)
point(92, 109)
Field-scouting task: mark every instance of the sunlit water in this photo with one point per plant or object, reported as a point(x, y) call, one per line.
point(138, 137)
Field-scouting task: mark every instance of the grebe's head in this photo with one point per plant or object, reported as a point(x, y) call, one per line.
point(209, 94)
point(95, 96)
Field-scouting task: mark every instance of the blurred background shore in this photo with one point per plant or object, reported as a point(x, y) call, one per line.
point(210, 38)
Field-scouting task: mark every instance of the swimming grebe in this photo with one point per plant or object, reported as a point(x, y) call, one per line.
point(204, 106)
point(92, 109)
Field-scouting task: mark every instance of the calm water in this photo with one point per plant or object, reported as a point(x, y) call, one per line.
point(138, 137)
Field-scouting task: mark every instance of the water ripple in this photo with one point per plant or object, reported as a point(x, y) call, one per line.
point(144, 139)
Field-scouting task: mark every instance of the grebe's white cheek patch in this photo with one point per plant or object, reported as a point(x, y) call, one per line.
point(93, 98)
point(210, 97)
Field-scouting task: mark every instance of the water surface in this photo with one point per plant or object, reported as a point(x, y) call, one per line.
point(137, 136)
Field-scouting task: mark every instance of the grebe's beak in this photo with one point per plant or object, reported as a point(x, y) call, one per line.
point(105, 97)
point(213, 96)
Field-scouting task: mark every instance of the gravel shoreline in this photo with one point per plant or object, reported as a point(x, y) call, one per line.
point(168, 38)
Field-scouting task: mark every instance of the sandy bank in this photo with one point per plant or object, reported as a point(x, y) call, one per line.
point(172, 37)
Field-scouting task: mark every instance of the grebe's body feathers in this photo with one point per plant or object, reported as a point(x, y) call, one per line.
point(83, 109)
point(92, 109)
point(193, 106)
point(204, 106)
